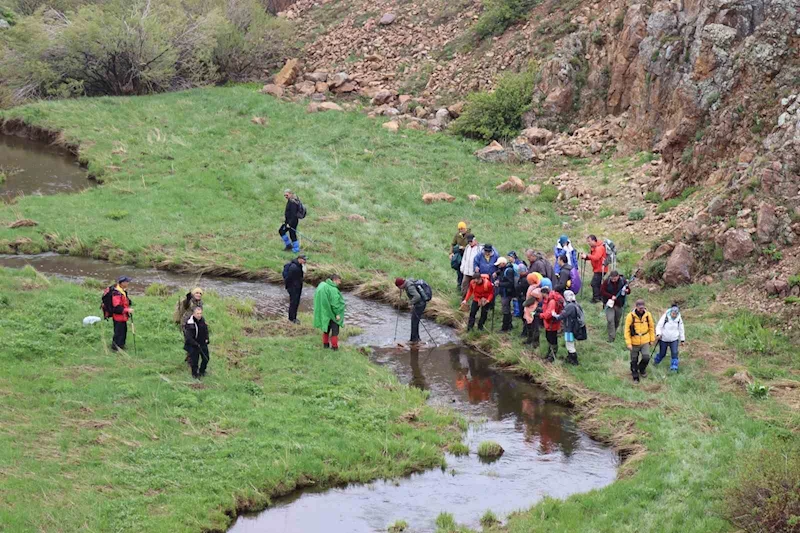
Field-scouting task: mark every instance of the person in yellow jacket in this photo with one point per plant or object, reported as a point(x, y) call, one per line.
point(640, 335)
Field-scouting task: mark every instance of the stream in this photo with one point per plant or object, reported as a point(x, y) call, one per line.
point(545, 452)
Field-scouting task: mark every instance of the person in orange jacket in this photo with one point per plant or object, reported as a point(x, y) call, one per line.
point(597, 257)
point(482, 293)
point(121, 311)
point(552, 305)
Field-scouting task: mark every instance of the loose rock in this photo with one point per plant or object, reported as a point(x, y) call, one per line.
point(429, 198)
point(288, 73)
point(492, 153)
point(512, 184)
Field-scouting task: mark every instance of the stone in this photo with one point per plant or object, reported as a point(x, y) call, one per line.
point(767, 223)
point(387, 19)
point(492, 153)
point(663, 250)
point(272, 89)
point(4, 25)
point(443, 116)
point(259, 121)
point(356, 218)
point(313, 107)
point(330, 106)
point(429, 198)
point(716, 207)
point(742, 378)
point(522, 149)
point(777, 287)
point(338, 79)
point(537, 136)
point(23, 223)
point(747, 155)
point(420, 112)
point(321, 87)
point(317, 77)
point(680, 266)
point(318, 97)
point(595, 147)
point(737, 245)
point(456, 109)
point(306, 88)
point(512, 184)
point(414, 125)
point(288, 73)
point(473, 197)
point(404, 98)
point(392, 125)
point(572, 150)
point(384, 96)
point(346, 87)
point(533, 190)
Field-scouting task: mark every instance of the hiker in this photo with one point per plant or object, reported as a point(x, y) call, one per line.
point(457, 251)
point(122, 310)
point(481, 290)
point(552, 305)
point(564, 248)
point(293, 273)
point(484, 262)
point(597, 256)
point(640, 335)
point(471, 252)
point(184, 307)
point(573, 320)
point(505, 288)
point(291, 218)
point(329, 311)
point(613, 291)
point(418, 300)
point(539, 264)
point(563, 280)
point(669, 332)
point(533, 309)
point(520, 278)
point(522, 295)
point(195, 336)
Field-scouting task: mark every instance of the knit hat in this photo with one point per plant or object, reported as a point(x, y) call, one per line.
point(563, 240)
point(197, 289)
point(534, 278)
point(674, 309)
point(399, 282)
point(462, 225)
point(569, 296)
point(501, 261)
point(546, 283)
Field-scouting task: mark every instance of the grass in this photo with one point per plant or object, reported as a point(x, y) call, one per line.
point(98, 441)
point(489, 449)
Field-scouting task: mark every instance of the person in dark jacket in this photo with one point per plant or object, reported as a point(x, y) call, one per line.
point(571, 319)
point(505, 289)
point(295, 270)
point(563, 279)
point(416, 297)
point(484, 262)
point(538, 263)
point(291, 218)
point(122, 310)
point(613, 291)
point(195, 336)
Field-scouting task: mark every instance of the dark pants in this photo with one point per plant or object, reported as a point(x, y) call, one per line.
point(416, 316)
point(640, 356)
point(552, 340)
point(473, 312)
point(201, 355)
point(294, 301)
point(459, 278)
point(120, 335)
point(534, 332)
point(288, 228)
point(333, 329)
point(597, 280)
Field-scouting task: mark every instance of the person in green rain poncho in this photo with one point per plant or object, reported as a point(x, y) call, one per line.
point(329, 311)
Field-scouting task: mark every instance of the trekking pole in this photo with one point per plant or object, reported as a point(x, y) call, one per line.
point(133, 331)
point(303, 236)
point(394, 341)
point(493, 318)
point(426, 329)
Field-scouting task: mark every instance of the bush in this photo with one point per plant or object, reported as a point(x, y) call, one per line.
point(445, 523)
point(654, 271)
point(490, 448)
point(397, 527)
point(497, 115)
point(758, 391)
point(636, 214)
point(654, 197)
point(667, 205)
point(498, 15)
point(765, 497)
point(548, 194)
point(458, 449)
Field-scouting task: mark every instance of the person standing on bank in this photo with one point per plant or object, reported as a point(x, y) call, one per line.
point(329, 311)
point(471, 251)
point(670, 332)
point(457, 246)
point(640, 335)
point(418, 301)
point(481, 290)
point(572, 319)
point(505, 288)
point(195, 336)
point(122, 310)
point(293, 273)
point(185, 307)
point(291, 218)
point(613, 291)
point(597, 257)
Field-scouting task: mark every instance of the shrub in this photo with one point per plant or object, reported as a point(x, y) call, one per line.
point(489, 519)
point(490, 448)
point(445, 523)
point(654, 197)
point(548, 194)
point(654, 270)
point(497, 115)
point(758, 391)
point(2, 176)
point(636, 214)
point(765, 497)
point(397, 527)
point(791, 300)
point(794, 280)
point(598, 37)
point(118, 214)
point(667, 205)
point(459, 449)
point(772, 253)
point(498, 15)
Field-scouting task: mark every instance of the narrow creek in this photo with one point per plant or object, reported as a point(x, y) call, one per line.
point(35, 168)
point(545, 452)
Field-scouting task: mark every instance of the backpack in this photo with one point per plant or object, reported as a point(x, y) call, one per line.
point(301, 209)
point(106, 304)
point(286, 270)
point(633, 324)
point(611, 254)
point(575, 280)
point(425, 289)
point(580, 325)
point(458, 255)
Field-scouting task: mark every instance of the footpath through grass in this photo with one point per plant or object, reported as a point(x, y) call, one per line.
point(91, 440)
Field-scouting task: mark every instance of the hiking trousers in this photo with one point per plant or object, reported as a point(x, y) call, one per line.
point(294, 301)
point(416, 316)
point(465, 284)
point(597, 280)
point(198, 354)
point(640, 356)
point(120, 335)
point(673, 352)
point(459, 279)
point(613, 318)
point(286, 228)
point(473, 312)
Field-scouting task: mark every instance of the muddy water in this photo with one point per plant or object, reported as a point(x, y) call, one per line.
point(36, 168)
point(545, 453)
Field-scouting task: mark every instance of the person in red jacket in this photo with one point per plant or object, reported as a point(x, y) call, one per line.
point(121, 309)
point(482, 293)
point(553, 304)
point(597, 256)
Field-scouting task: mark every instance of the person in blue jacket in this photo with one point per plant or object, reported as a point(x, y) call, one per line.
point(484, 263)
point(564, 248)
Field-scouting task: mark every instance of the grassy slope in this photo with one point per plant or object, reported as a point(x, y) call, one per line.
point(96, 441)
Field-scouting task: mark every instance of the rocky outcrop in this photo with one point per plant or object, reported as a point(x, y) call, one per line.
point(492, 153)
point(680, 266)
point(737, 245)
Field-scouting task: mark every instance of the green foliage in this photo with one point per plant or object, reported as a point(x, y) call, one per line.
point(747, 332)
point(654, 197)
point(605, 212)
point(398, 526)
point(772, 253)
point(497, 115)
point(654, 271)
point(667, 205)
point(794, 281)
point(791, 300)
point(619, 21)
point(242, 308)
point(8, 15)
point(765, 498)
point(598, 37)
point(687, 154)
point(757, 390)
point(459, 449)
point(548, 194)
point(498, 15)
point(417, 80)
point(157, 290)
point(489, 519)
point(445, 523)
point(117, 214)
point(2, 177)
point(489, 448)
point(94, 284)
point(636, 214)
point(688, 191)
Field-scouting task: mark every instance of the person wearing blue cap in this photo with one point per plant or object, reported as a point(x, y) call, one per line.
point(564, 248)
point(121, 311)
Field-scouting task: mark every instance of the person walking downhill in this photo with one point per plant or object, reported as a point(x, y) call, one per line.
point(291, 218)
point(418, 300)
point(670, 332)
point(121, 312)
point(597, 256)
point(481, 290)
point(505, 289)
point(552, 306)
point(293, 273)
point(613, 296)
point(640, 335)
point(471, 252)
point(533, 309)
point(563, 248)
point(572, 320)
point(457, 246)
point(195, 341)
point(329, 310)
point(563, 279)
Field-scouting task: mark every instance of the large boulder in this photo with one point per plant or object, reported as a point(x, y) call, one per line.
point(318, 76)
point(288, 73)
point(537, 136)
point(329, 106)
point(522, 149)
point(306, 88)
point(680, 266)
point(443, 117)
point(512, 184)
point(767, 223)
point(777, 287)
point(492, 153)
point(392, 126)
point(4, 25)
point(737, 245)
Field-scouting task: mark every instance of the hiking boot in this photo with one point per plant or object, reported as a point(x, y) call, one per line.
point(287, 248)
point(326, 345)
point(335, 348)
point(550, 358)
point(636, 378)
point(295, 321)
point(572, 359)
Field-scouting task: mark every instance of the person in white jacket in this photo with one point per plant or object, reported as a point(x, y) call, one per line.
point(467, 260)
point(670, 332)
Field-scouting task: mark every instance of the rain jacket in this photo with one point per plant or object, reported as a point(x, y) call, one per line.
point(569, 316)
point(195, 333)
point(536, 293)
point(670, 330)
point(482, 288)
point(290, 217)
point(120, 304)
point(468, 260)
point(485, 266)
point(639, 331)
point(459, 240)
point(543, 267)
point(609, 289)
point(597, 257)
point(328, 302)
point(569, 251)
point(505, 278)
point(553, 303)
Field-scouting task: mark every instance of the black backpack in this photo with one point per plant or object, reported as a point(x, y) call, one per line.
point(106, 304)
point(426, 290)
point(286, 270)
point(301, 209)
point(580, 325)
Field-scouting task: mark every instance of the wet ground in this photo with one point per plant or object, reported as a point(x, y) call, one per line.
point(36, 168)
point(545, 453)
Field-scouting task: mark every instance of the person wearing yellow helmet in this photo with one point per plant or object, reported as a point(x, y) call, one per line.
point(457, 246)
